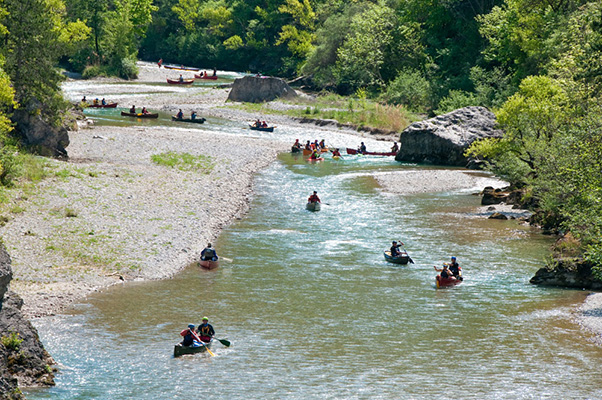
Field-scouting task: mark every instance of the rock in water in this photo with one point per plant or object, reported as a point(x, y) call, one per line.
point(254, 89)
point(442, 140)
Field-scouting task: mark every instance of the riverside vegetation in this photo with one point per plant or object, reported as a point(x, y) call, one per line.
point(536, 64)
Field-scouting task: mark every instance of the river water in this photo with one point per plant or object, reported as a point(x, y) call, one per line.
point(313, 310)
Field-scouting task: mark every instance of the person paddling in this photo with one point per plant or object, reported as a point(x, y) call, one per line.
point(395, 252)
point(314, 198)
point(394, 148)
point(445, 272)
point(206, 331)
point(336, 153)
point(180, 114)
point(133, 110)
point(208, 253)
point(455, 268)
point(362, 148)
point(189, 335)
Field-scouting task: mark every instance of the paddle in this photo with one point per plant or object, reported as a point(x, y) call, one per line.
point(226, 259)
point(203, 343)
point(223, 341)
point(409, 258)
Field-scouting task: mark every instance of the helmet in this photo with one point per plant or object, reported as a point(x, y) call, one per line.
point(205, 319)
point(191, 326)
point(453, 257)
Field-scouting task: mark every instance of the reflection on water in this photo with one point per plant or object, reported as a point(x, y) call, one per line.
point(314, 311)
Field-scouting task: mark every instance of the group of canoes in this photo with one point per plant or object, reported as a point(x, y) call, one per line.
point(450, 274)
point(187, 81)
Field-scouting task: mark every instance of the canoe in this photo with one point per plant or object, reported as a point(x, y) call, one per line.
point(210, 77)
point(370, 153)
point(259, 128)
point(209, 264)
point(178, 82)
point(446, 282)
point(401, 259)
point(110, 105)
point(194, 121)
point(313, 206)
point(307, 152)
point(180, 350)
point(139, 115)
point(181, 68)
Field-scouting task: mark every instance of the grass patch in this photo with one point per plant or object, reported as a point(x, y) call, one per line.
point(184, 161)
point(357, 111)
point(12, 341)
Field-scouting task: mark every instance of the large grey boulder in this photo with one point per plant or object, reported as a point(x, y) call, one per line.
point(255, 89)
point(23, 359)
point(442, 140)
point(568, 274)
point(45, 139)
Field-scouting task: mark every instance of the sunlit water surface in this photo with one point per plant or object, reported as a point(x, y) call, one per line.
point(313, 310)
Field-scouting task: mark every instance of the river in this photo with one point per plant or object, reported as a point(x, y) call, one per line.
point(313, 310)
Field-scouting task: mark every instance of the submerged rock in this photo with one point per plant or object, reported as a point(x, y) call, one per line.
point(23, 359)
point(255, 89)
point(444, 139)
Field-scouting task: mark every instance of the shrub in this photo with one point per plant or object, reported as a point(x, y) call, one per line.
point(12, 341)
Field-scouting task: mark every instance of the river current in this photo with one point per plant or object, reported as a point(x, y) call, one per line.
point(314, 311)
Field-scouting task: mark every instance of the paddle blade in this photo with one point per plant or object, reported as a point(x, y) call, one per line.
point(411, 261)
point(210, 352)
point(224, 342)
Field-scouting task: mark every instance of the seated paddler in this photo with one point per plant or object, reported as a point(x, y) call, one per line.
point(189, 335)
point(208, 253)
point(205, 330)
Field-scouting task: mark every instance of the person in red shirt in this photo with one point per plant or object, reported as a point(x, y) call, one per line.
point(314, 198)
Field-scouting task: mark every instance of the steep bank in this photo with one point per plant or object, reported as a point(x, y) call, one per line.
point(23, 359)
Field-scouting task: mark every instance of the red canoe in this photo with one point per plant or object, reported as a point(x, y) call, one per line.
point(370, 153)
point(110, 105)
point(445, 282)
point(208, 264)
point(179, 82)
point(211, 77)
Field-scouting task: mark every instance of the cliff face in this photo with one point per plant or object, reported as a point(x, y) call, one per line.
point(23, 359)
point(442, 140)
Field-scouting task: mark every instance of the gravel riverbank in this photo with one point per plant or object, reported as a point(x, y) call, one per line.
point(110, 214)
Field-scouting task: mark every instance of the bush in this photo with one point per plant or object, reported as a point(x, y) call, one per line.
point(410, 89)
point(92, 71)
point(12, 341)
point(129, 69)
point(456, 99)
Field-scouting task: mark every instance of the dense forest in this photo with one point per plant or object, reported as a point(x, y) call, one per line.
point(536, 63)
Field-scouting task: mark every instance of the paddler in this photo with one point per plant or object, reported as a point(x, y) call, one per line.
point(445, 272)
point(336, 153)
point(455, 268)
point(315, 154)
point(297, 145)
point(133, 110)
point(314, 198)
point(208, 253)
point(205, 330)
point(180, 114)
point(395, 252)
point(189, 335)
point(394, 148)
point(362, 148)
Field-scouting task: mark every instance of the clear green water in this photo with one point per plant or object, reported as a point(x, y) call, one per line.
point(313, 311)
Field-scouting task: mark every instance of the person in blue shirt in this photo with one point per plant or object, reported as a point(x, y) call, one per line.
point(208, 253)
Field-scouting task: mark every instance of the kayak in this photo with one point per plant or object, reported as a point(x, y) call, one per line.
point(209, 264)
point(446, 282)
point(110, 105)
point(370, 153)
point(181, 68)
point(313, 206)
point(400, 259)
point(210, 77)
point(261, 128)
point(194, 121)
point(196, 347)
point(180, 82)
point(139, 115)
